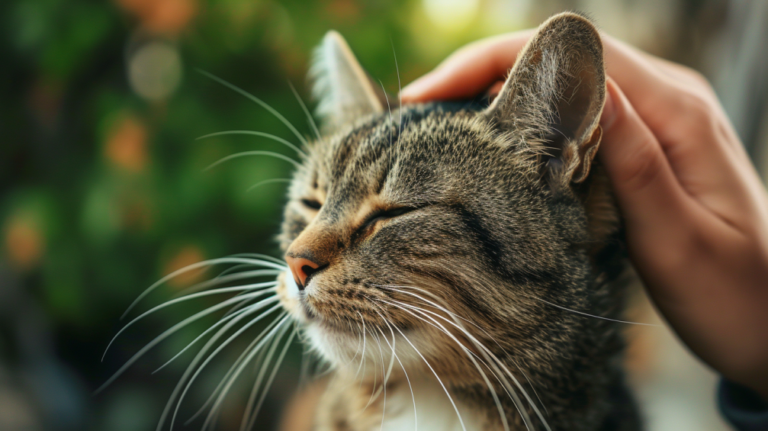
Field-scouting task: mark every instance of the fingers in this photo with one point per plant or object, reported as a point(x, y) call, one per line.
point(649, 195)
point(469, 71)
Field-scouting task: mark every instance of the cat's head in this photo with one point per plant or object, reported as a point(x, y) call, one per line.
point(408, 223)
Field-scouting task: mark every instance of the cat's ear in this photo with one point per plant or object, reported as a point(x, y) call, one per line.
point(554, 96)
point(343, 89)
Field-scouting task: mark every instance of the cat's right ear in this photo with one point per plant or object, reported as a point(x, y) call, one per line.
point(343, 89)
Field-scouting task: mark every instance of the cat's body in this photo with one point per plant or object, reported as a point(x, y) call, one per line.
point(472, 244)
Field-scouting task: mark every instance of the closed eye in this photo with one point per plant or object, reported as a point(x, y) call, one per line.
point(312, 203)
point(385, 215)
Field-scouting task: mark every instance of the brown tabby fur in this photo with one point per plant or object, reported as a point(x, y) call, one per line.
point(505, 222)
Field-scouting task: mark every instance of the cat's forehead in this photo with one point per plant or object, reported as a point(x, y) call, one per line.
point(398, 152)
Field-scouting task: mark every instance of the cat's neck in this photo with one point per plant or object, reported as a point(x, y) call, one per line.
point(422, 402)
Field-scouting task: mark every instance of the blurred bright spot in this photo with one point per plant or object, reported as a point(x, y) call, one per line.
point(451, 15)
point(501, 16)
point(24, 240)
point(185, 256)
point(154, 70)
point(127, 144)
point(162, 16)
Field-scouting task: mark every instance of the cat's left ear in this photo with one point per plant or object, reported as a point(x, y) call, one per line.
point(554, 96)
point(343, 89)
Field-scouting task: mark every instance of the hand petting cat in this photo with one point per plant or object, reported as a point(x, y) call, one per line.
point(696, 212)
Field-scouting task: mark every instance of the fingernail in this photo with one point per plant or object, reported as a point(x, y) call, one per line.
point(609, 111)
point(415, 89)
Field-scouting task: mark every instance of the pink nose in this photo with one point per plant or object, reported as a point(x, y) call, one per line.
point(302, 269)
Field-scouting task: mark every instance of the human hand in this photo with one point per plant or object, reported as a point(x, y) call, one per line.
point(696, 212)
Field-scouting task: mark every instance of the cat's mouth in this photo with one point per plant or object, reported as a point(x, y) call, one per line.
point(294, 300)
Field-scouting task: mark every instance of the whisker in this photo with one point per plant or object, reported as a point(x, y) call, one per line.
point(531, 385)
point(243, 313)
point(374, 391)
point(496, 363)
point(255, 133)
point(594, 316)
point(362, 357)
point(399, 88)
point(271, 379)
point(231, 369)
point(407, 379)
point(198, 265)
point(249, 416)
point(193, 296)
point(489, 355)
point(216, 351)
point(158, 339)
point(260, 102)
point(455, 408)
point(262, 257)
point(310, 120)
point(282, 328)
point(253, 153)
point(226, 278)
point(270, 181)
point(465, 350)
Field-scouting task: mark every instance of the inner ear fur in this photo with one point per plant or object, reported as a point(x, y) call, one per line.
point(554, 96)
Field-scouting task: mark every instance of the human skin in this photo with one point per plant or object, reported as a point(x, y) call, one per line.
point(695, 209)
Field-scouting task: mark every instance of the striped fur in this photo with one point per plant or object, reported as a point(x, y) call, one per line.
point(499, 223)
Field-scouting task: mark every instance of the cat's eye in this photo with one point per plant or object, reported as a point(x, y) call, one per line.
point(386, 214)
point(312, 203)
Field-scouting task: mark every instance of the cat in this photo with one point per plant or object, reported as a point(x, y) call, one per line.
point(458, 266)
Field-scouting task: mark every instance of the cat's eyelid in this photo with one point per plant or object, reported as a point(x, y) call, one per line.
point(388, 214)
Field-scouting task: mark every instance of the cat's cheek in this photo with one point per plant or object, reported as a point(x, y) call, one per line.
point(288, 294)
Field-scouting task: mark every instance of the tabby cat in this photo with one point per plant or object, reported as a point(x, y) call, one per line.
point(450, 261)
point(459, 266)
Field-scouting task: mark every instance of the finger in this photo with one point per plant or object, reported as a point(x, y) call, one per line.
point(469, 71)
point(649, 195)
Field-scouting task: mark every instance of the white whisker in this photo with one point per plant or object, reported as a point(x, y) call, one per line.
point(231, 369)
point(255, 99)
point(270, 181)
point(202, 313)
point(407, 379)
point(243, 313)
point(594, 316)
point(215, 352)
point(464, 349)
point(198, 265)
point(455, 408)
point(282, 327)
point(253, 153)
point(255, 133)
point(226, 278)
point(310, 120)
point(249, 417)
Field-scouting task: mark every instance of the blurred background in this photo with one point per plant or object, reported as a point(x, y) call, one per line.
point(103, 189)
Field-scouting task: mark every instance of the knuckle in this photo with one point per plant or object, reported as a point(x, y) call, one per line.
point(695, 111)
point(697, 78)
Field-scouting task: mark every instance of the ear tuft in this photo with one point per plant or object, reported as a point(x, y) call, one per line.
point(554, 96)
point(343, 89)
